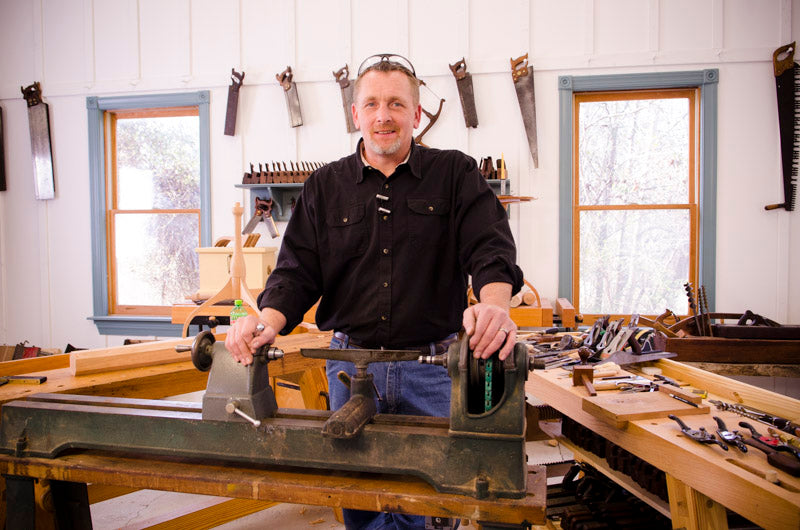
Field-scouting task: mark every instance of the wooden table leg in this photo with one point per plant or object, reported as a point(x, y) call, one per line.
point(692, 510)
point(20, 503)
point(71, 504)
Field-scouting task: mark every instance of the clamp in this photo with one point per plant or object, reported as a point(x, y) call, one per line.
point(730, 437)
point(702, 435)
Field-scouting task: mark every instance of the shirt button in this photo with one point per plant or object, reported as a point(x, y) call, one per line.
point(386, 186)
point(344, 220)
point(386, 284)
point(430, 208)
point(384, 318)
point(385, 217)
point(386, 251)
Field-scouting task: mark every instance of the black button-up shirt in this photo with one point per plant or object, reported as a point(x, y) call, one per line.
point(390, 256)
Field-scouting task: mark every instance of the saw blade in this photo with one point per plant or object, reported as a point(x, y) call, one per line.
point(39, 123)
point(346, 86)
point(465, 92)
point(522, 75)
point(233, 102)
point(2, 156)
point(292, 99)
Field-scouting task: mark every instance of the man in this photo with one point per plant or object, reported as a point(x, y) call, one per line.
point(387, 238)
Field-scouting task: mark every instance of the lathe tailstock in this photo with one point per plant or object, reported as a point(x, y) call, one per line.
point(479, 451)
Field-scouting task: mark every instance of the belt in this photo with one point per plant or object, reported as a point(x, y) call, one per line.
point(431, 348)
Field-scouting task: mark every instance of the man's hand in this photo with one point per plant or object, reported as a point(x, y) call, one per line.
point(488, 324)
point(250, 333)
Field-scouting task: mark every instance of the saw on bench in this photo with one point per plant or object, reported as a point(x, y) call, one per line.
point(479, 451)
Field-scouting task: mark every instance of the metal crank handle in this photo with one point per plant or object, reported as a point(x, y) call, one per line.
point(232, 407)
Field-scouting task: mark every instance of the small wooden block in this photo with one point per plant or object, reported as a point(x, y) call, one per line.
point(579, 371)
point(619, 409)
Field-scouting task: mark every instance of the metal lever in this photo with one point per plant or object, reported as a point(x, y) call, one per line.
point(233, 408)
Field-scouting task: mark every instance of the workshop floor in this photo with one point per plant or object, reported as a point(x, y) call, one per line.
point(162, 509)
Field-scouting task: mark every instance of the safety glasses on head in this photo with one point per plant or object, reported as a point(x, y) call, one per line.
point(373, 61)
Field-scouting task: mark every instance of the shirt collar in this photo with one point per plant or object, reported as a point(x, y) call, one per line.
point(412, 159)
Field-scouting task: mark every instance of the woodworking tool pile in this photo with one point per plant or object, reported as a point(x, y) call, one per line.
point(782, 452)
point(587, 499)
point(646, 475)
point(280, 172)
point(606, 342)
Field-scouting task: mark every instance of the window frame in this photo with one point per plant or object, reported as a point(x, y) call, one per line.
point(138, 325)
point(706, 82)
point(690, 204)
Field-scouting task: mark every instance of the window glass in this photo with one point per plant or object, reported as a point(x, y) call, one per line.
point(634, 151)
point(633, 261)
point(155, 257)
point(158, 163)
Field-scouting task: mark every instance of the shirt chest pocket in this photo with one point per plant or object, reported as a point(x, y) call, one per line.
point(347, 234)
point(428, 222)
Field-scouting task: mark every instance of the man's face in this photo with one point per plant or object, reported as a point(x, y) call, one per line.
point(385, 112)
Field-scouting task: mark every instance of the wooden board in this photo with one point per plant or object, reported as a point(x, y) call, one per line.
point(529, 316)
point(719, 350)
point(362, 491)
point(162, 380)
point(566, 311)
point(132, 356)
point(34, 364)
point(620, 408)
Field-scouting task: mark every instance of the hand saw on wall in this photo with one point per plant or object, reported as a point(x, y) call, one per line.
point(39, 123)
point(787, 83)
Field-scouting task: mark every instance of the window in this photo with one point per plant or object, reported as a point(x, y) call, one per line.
point(150, 207)
point(637, 203)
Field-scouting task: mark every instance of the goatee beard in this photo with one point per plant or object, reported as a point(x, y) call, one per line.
point(388, 150)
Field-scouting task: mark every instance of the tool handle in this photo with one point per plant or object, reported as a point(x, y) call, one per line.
point(781, 461)
point(519, 67)
point(783, 58)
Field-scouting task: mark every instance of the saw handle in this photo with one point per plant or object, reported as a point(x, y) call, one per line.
point(783, 59)
point(518, 71)
point(459, 69)
point(285, 78)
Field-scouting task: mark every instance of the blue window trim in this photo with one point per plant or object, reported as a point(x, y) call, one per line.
point(136, 325)
point(707, 81)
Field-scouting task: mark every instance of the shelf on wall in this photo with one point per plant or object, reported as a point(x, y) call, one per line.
point(283, 193)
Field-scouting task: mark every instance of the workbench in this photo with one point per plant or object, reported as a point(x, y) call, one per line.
point(702, 480)
point(338, 490)
point(164, 380)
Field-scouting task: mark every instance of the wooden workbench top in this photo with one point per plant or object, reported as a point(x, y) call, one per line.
point(336, 489)
point(150, 382)
point(734, 479)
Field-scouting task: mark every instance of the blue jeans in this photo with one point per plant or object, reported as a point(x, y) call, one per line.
point(406, 387)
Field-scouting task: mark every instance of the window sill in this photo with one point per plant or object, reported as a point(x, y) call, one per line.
point(137, 326)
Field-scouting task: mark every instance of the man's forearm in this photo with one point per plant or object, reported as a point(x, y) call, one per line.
point(497, 294)
point(273, 318)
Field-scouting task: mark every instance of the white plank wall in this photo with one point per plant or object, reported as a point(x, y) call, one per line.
point(80, 48)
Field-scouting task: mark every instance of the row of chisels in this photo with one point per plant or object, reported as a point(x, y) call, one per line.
point(280, 172)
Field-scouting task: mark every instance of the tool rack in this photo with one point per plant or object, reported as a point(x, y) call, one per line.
point(702, 480)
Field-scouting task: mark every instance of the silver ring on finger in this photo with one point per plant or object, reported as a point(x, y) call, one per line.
point(504, 330)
